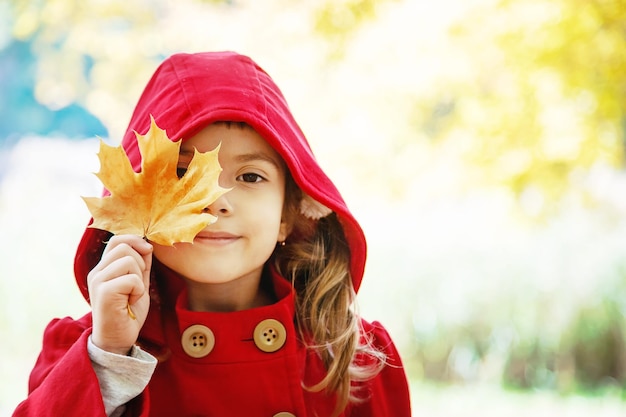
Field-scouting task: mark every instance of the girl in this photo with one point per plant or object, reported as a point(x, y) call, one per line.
point(254, 317)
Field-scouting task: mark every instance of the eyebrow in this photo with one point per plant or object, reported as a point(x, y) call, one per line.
point(246, 157)
point(258, 156)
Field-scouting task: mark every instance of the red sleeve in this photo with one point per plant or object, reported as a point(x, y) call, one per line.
point(388, 393)
point(63, 382)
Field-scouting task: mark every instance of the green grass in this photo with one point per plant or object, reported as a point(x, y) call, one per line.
point(432, 400)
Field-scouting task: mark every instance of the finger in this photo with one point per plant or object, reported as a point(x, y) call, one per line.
point(120, 260)
point(129, 244)
point(146, 271)
point(135, 242)
point(115, 268)
point(119, 249)
point(123, 290)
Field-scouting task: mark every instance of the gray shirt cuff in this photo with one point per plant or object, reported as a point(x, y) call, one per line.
point(121, 378)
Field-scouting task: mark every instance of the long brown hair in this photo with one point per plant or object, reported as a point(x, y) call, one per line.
point(316, 259)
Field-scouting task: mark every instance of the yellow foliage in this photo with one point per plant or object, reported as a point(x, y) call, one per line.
point(546, 95)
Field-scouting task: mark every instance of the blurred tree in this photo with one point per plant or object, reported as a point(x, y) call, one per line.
point(339, 20)
point(540, 93)
point(597, 345)
point(70, 64)
point(21, 114)
point(92, 53)
point(536, 95)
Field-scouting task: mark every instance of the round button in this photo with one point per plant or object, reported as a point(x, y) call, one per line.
point(197, 341)
point(270, 335)
point(284, 414)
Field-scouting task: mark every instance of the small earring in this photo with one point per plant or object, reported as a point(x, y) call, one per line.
point(281, 243)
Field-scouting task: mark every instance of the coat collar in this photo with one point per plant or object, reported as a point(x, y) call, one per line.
point(233, 331)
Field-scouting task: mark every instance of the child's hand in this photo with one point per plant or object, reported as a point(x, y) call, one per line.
point(119, 281)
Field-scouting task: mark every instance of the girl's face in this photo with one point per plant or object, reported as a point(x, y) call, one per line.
point(249, 225)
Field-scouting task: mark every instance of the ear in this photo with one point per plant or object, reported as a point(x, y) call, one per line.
point(284, 230)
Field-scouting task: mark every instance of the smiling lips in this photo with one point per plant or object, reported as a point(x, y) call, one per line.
point(216, 238)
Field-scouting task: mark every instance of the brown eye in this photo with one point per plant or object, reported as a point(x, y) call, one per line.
point(250, 177)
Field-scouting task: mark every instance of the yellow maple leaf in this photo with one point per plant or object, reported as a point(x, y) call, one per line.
point(155, 203)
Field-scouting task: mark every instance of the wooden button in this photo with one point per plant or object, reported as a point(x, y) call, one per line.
point(284, 414)
point(270, 335)
point(197, 341)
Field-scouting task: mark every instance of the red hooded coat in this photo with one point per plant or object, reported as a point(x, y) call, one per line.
point(238, 377)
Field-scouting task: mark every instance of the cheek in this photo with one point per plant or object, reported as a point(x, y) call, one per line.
point(268, 200)
point(165, 255)
point(268, 220)
point(267, 214)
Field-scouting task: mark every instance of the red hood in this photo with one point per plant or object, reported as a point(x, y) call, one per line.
point(189, 91)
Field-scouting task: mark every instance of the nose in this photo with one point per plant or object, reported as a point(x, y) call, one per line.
point(221, 206)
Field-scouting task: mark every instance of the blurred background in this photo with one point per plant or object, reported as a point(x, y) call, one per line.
point(481, 143)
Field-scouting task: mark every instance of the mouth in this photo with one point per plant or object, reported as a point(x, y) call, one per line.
point(216, 238)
